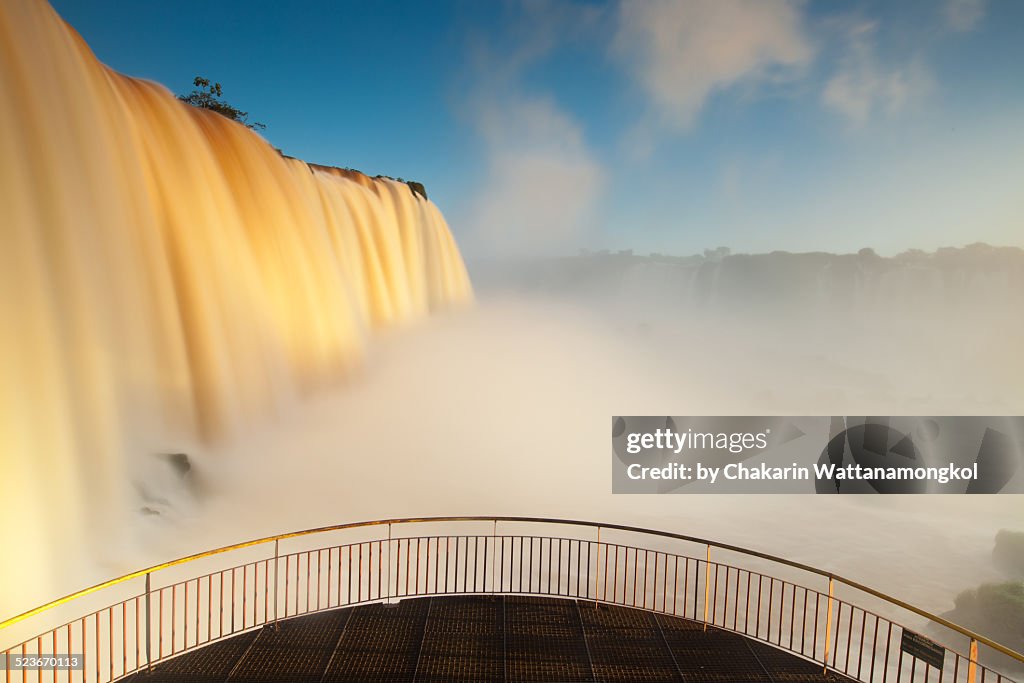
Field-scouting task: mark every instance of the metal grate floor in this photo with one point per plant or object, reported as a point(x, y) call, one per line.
point(479, 639)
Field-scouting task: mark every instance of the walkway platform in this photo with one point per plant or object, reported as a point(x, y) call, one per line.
point(483, 639)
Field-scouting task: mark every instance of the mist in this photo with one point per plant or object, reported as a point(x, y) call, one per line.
point(503, 409)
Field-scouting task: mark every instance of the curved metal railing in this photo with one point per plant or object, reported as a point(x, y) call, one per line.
point(127, 624)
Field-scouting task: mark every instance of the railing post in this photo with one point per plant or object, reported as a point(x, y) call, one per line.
point(597, 576)
point(276, 582)
point(494, 551)
point(972, 664)
point(828, 623)
point(149, 628)
point(707, 585)
point(388, 596)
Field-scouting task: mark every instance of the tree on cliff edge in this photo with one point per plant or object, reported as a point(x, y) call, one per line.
point(208, 96)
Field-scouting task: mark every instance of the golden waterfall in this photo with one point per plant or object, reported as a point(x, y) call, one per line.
point(161, 264)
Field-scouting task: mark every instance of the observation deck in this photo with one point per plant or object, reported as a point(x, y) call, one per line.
point(483, 639)
point(493, 599)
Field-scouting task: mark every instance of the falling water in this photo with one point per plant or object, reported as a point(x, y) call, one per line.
point(163, 261)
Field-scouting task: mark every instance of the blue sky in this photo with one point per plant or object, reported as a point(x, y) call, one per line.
point(658, 125)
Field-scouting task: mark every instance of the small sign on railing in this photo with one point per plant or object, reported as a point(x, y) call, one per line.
point(925, 649)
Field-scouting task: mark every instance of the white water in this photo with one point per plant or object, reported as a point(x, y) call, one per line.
point(504, 410)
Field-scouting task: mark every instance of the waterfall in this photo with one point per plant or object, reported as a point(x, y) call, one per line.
point(161, 264)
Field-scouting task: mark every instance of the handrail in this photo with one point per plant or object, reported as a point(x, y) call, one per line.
point(542, 520)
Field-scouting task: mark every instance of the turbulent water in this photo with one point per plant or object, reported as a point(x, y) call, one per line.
point(165, 268)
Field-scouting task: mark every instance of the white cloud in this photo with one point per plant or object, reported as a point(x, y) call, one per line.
point(542, 182)
point(863, 87)
point(963, 15)
point(683, 51)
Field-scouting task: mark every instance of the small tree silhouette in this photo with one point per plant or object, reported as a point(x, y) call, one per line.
point(208, 96)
